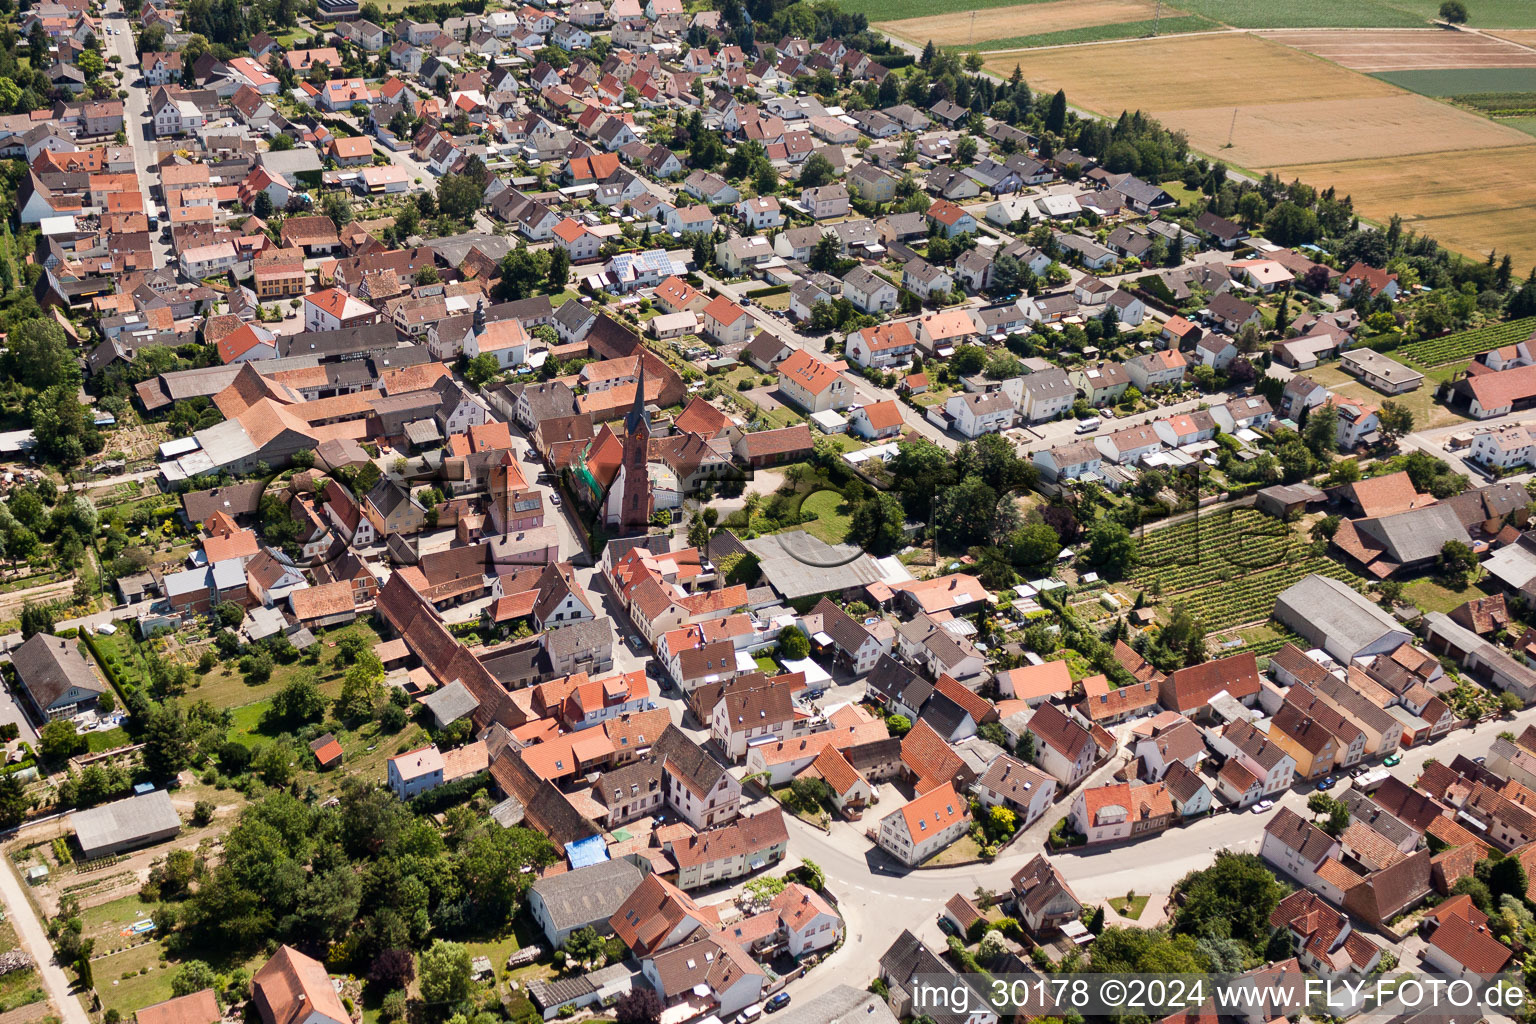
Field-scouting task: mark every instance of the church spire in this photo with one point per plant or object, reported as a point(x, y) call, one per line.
point(638, 420)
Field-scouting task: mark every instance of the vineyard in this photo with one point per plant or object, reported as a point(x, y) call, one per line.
point(1456, 347)
point(1228, 567)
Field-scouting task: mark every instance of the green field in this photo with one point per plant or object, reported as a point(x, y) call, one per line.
point(1228, 567)
point(1463, 82)
point(1103, 33)
point(895, 10)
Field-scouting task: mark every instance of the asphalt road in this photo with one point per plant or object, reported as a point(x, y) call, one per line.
point(880, 897)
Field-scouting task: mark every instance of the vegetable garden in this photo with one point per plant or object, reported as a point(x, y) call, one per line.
point(1466, 344)
point(1228, 567)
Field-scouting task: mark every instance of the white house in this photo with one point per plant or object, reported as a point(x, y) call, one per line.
point(925, 826)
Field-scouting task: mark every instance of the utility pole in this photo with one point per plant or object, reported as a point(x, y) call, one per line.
point(972, 40)
point(1157, 19)
point(1232, 130)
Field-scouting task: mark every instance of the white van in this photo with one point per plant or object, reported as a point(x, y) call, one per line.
point(1089, 425)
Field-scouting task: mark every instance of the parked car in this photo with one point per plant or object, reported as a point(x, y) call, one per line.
point(1328, 783)
point(777, 1002)
point(1392, 760)
point(751, 1013)
point(1262, 806)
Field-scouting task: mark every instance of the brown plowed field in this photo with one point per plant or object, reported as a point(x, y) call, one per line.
point(1406, 49)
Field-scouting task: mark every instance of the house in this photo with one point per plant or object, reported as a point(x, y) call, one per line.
point(1230, 313)
point(1157, 369)
point(1376, 283)
point(869, 292)
point(1011, 783)
point(1063, 747)
point(760, 213)
point(1101, 384)
point(658, 915)
point(925, 825)
point(809, 923)
point(973, 414)
point(1047, 394)
point(1325, 942)
point(732, 979)
point(877, 420)
point(1220, 230)
point(811, 384)
point(825, 201)
point(1216, 351)
point(587, 897)
point(1297, 847)
point(882, 346)
point(726, 322)
point(1121, 810)
point(928, 282)
point(1189, 690)
point(1385, 375)
point(1461, 944)
point(1043, 900)
point(577, 239)
point(729, 851)
point(950, 219)
point(292, 988)
point(55, 677)
point(1069, 462)
point(422, 770)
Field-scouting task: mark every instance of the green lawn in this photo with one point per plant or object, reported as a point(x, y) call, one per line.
point(1128, 909)
point(1429, 596)
point(106, 740)
point(121, 985)
point(1103, 33)
point(832, 516)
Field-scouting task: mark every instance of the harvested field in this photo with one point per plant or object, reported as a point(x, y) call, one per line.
point(1372, 50)
point(1522, 36)
point(1307, 105)
point(1028, 19)
point(1268, 134)
point(1469, 201)
point(1183, 74)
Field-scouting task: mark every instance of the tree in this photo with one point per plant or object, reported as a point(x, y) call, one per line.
point(482, 369)
point(362, 690)
point(337, 207)
point(1110, 547)
point(793, 643)
point(876, 524)
point(167, 740)
point(1477, 889)
point(1456, 562)
point(393, 968)
point(447, 976)
point(640, 1005)
point(559, 269)
point(1396, 420)
point(38, 355)
point(298, 702)
point(1234, 896)
point(1033, 545)
point(37, 618)
point(59, 740)
point(1453, 11)
point(13, 801)
point(1321, 433)
point(898, 725)
point(193, 976)
point(458, 196)
point(816, 171)
point(1056, 120)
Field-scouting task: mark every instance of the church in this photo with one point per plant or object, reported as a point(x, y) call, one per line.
point(643, 470)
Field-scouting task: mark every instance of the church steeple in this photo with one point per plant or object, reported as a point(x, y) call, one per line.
point(480, 314)
point(638, 420)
